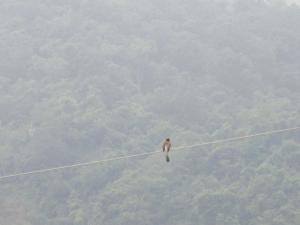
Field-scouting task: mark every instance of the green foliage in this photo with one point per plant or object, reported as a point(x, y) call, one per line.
point(86, 80)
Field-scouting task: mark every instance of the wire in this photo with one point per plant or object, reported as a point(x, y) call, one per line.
point(180, 148)
point(239, 138)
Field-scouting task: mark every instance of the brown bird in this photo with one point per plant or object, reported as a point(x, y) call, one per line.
point(166, 148)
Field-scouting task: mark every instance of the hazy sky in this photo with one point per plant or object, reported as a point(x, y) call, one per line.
point(293, 1)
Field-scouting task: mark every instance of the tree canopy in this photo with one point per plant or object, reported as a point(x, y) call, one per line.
point(84, 80)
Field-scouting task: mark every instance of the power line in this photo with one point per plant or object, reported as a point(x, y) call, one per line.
point(180, 148)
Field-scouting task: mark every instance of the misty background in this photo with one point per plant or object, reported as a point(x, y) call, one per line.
point(89, 80)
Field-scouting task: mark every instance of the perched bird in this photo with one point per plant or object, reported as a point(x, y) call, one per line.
point(166, 148)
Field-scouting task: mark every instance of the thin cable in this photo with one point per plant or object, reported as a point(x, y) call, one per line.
point(181, 148)
point(238, 138)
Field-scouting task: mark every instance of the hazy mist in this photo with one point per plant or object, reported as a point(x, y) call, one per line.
point(92, 80)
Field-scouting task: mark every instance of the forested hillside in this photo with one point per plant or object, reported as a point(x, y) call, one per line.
point(90, 80)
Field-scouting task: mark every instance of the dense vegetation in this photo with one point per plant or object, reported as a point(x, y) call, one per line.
point(84, 80)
